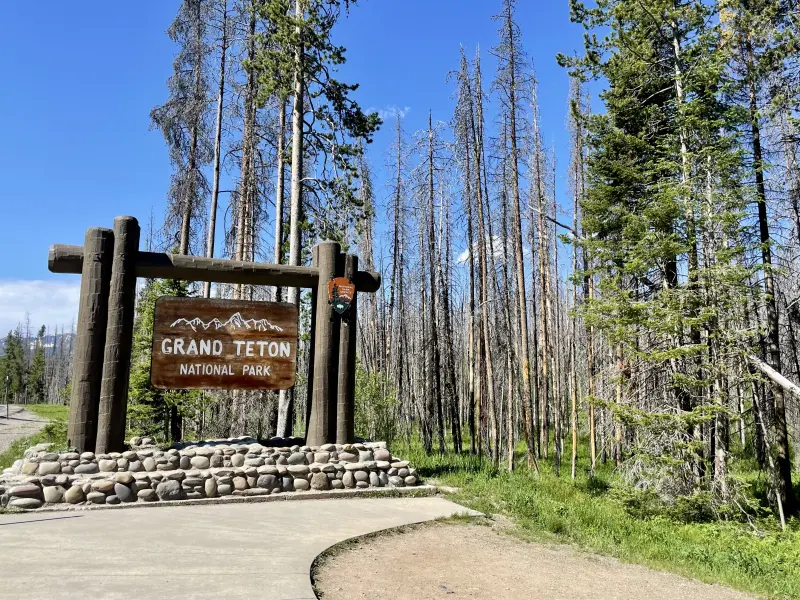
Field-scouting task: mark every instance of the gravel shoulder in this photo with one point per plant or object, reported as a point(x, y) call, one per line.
point(21, 423)
point(446, 560)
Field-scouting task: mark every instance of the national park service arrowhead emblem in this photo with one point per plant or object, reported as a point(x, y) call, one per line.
point(341, 292)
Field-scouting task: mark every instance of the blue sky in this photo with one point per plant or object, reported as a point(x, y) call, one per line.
point(81, 78)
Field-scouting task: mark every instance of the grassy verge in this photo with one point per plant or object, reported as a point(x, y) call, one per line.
point(54, 432)
point(762, 560)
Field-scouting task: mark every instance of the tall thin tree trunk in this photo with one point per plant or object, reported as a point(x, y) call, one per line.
point(296, 199)
point(212, 215)
point(784, 465)
point(279, 193)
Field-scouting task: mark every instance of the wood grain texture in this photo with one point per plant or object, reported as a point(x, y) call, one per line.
point(90, 336)
point(119, 338)
point(157, 265)
point(322, 420)
point(201, 343)
point(346, 392)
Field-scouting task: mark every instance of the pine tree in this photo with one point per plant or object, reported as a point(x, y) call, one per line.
point(36, 375)
point(646, 219)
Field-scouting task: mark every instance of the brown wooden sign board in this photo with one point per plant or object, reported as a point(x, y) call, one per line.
point(223, 344)
point(341, 292)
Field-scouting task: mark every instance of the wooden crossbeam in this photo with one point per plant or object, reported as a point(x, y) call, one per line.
point(158, 265)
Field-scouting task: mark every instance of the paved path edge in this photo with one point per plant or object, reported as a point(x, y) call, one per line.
point(420, 491)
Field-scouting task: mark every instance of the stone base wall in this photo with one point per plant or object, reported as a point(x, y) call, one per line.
point(239, 467)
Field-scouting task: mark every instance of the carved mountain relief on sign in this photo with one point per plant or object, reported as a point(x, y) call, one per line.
point(223, 344)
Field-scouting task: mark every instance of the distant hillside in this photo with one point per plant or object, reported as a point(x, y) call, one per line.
point(50, 341)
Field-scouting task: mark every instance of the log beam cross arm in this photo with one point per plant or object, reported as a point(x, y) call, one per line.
point(158, 265)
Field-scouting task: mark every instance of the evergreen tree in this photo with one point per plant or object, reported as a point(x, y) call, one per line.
point(36, 374)
point(12, 364)
point(662, 224)
point(152, 411)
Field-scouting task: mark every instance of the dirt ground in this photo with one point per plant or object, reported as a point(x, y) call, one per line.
point(444, 560)
point(20, 423)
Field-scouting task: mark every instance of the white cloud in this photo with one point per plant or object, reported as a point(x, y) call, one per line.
point(496, 243)
point(390, 112)
point(49, 303)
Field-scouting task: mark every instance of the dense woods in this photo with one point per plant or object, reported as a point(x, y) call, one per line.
point(645, 315)
point(643, 321)
point(36, 365)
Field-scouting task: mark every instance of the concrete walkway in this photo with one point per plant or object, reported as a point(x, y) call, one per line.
point(253, 551)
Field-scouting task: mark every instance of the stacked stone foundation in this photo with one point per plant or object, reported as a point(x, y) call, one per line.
point(210, 469)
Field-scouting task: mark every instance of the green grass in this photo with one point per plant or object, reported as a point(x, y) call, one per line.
point(586, 513)
point(54, 432)
point(51, 412)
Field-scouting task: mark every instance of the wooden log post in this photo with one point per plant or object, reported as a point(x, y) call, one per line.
point(322, 421)
point(119, 338)
point(90, 337)
point(311, 343)
point(346, 398)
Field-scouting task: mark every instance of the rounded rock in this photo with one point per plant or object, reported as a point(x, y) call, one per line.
point(365, 456)
point(53, 494)
point(396, 481)
point(74, 495)
point(297, 458)
point(349, 480)
point(96, 497)
point(240, 483)
point(322, 457)
point(382, 454)
point(237, 460)
point(27, 490)
point(301, 485)
point(49, 468)
point(104, 487)
point(224, 489)
point(210, 487)
point(124, 477)
point(362, 485)
point(185, 463)
point(337, 485)
point(124, 493)
point(25, 503)
point(106, 466)
point(361, 476)
point(87, 469)
point(200, 462)
point(410, 480)
point(148, 495)
point(320, 481)
point(268, 482)
point(374, 480)
point(149, 464)
point(169, 490)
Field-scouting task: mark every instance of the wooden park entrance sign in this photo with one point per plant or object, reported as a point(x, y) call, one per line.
point(210, 344)
point(223, 344)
